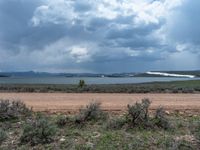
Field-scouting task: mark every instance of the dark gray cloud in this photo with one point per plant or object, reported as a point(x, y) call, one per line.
point(98, 36)
point(81, 6)
point(186, 22)
point(14, 16)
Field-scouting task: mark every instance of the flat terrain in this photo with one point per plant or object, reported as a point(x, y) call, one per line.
point(192, 86)
point(71, 102)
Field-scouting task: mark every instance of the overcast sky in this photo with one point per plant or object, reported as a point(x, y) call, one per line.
point(99, 35)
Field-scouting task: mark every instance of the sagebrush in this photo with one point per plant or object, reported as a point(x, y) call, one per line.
point(90, 112)
point(39, 130)
point(13, 110)
point(138, 114)
point(116, 123)
point(160, 119)
point(62, 120)
point(3, 135)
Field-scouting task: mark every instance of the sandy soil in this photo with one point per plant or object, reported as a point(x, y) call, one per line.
point(69, 102)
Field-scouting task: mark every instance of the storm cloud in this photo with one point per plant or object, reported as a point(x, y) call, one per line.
point(99, 36)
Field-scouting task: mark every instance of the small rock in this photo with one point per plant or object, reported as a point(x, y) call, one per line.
point(181, 113)
point(190, 115)
point(189, 138)
point(167, 112)
point(96, 134)
point(62, 139)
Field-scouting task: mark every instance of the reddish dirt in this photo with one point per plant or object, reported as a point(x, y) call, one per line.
point(71, 102)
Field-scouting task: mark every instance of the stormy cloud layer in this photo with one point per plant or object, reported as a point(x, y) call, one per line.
point(99, 36)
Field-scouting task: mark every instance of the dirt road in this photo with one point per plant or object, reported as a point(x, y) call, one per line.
point(112, 102)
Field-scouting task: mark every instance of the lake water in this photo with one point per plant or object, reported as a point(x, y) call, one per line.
point(88, 80)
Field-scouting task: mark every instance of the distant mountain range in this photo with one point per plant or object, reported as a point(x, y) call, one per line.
point(189, 74)
point(46, 74)
point(25, 74)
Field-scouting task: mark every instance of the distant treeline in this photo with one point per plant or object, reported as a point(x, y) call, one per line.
point(4, 76)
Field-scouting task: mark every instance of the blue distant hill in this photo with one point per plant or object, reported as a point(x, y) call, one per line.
point(195, 73)
point(46, 74)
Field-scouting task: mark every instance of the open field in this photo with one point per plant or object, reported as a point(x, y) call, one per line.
point(192, 86)
point(69, 102)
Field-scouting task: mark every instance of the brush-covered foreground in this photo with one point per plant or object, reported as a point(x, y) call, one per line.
point(94, 129)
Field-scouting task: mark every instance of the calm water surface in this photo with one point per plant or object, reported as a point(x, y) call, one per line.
point(88, 80)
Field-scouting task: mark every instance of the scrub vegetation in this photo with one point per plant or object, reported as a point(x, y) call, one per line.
point(92, 128)
point(192, 86)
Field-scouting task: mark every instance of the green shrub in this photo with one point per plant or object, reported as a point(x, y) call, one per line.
point(138, 114)
point(13, 110)
point(116, 123)
point(39, 130)
point(196, 130)
point(81, 83)
point(91, 112)
point(160, 119)
point(182, 145)
point(3, 135)
point(62, 120)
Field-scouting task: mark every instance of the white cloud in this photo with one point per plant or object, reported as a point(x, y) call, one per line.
point(80, 54)
point(57, 12)
point(71, 34)
point(132, 53)
point(62, 11)
point(181, 47)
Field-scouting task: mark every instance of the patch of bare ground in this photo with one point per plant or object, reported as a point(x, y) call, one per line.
point(115, 102)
